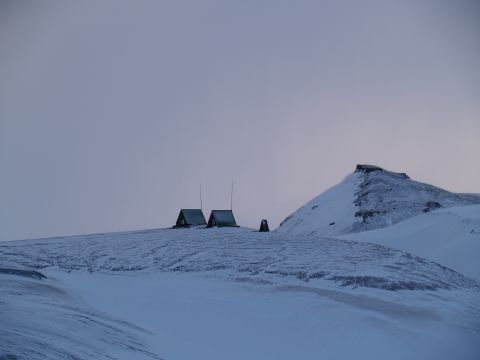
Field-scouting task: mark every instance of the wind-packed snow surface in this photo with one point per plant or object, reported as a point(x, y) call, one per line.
point(370, 198)
point(230, 294)
point(40, 319)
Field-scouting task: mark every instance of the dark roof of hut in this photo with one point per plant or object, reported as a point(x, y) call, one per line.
point(222, 218)
point(194, 216)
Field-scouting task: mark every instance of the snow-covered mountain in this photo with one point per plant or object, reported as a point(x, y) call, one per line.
point(370, 198)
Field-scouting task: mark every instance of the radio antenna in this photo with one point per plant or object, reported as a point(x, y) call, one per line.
point(201, 204)
point(231, 198)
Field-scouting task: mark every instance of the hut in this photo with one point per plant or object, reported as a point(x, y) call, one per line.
point(222, 218)
point(190, 217)
point(264, 226)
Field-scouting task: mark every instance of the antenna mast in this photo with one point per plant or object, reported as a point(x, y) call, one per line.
point(231, 198)
point(201, 204)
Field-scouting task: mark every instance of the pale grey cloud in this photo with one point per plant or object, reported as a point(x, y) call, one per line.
point(112, 113)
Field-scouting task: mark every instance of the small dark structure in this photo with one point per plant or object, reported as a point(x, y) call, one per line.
point(222, 218)
point(264, 226)
point(190, 217)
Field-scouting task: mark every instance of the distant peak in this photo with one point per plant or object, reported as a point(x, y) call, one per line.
point(369, 198)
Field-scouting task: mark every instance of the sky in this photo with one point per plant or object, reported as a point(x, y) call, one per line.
point(112, 113)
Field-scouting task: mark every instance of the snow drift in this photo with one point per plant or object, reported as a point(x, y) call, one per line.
point(40, 319)
point(450, 237)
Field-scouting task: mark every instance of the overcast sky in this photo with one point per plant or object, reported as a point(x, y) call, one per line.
point(113, 112)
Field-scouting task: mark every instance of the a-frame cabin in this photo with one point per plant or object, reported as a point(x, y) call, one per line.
point(189, 218)
point(222, 218)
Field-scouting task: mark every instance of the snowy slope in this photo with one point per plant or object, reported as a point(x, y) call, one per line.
point(231, 293)
point(450, 237)
point(370, 198)
point(329, 214)
point(235, 252)
point(41, 319)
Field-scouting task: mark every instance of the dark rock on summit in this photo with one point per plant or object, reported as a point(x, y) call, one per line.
point(367, 168)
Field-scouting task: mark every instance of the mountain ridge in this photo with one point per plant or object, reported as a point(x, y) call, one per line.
point(367, 199)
